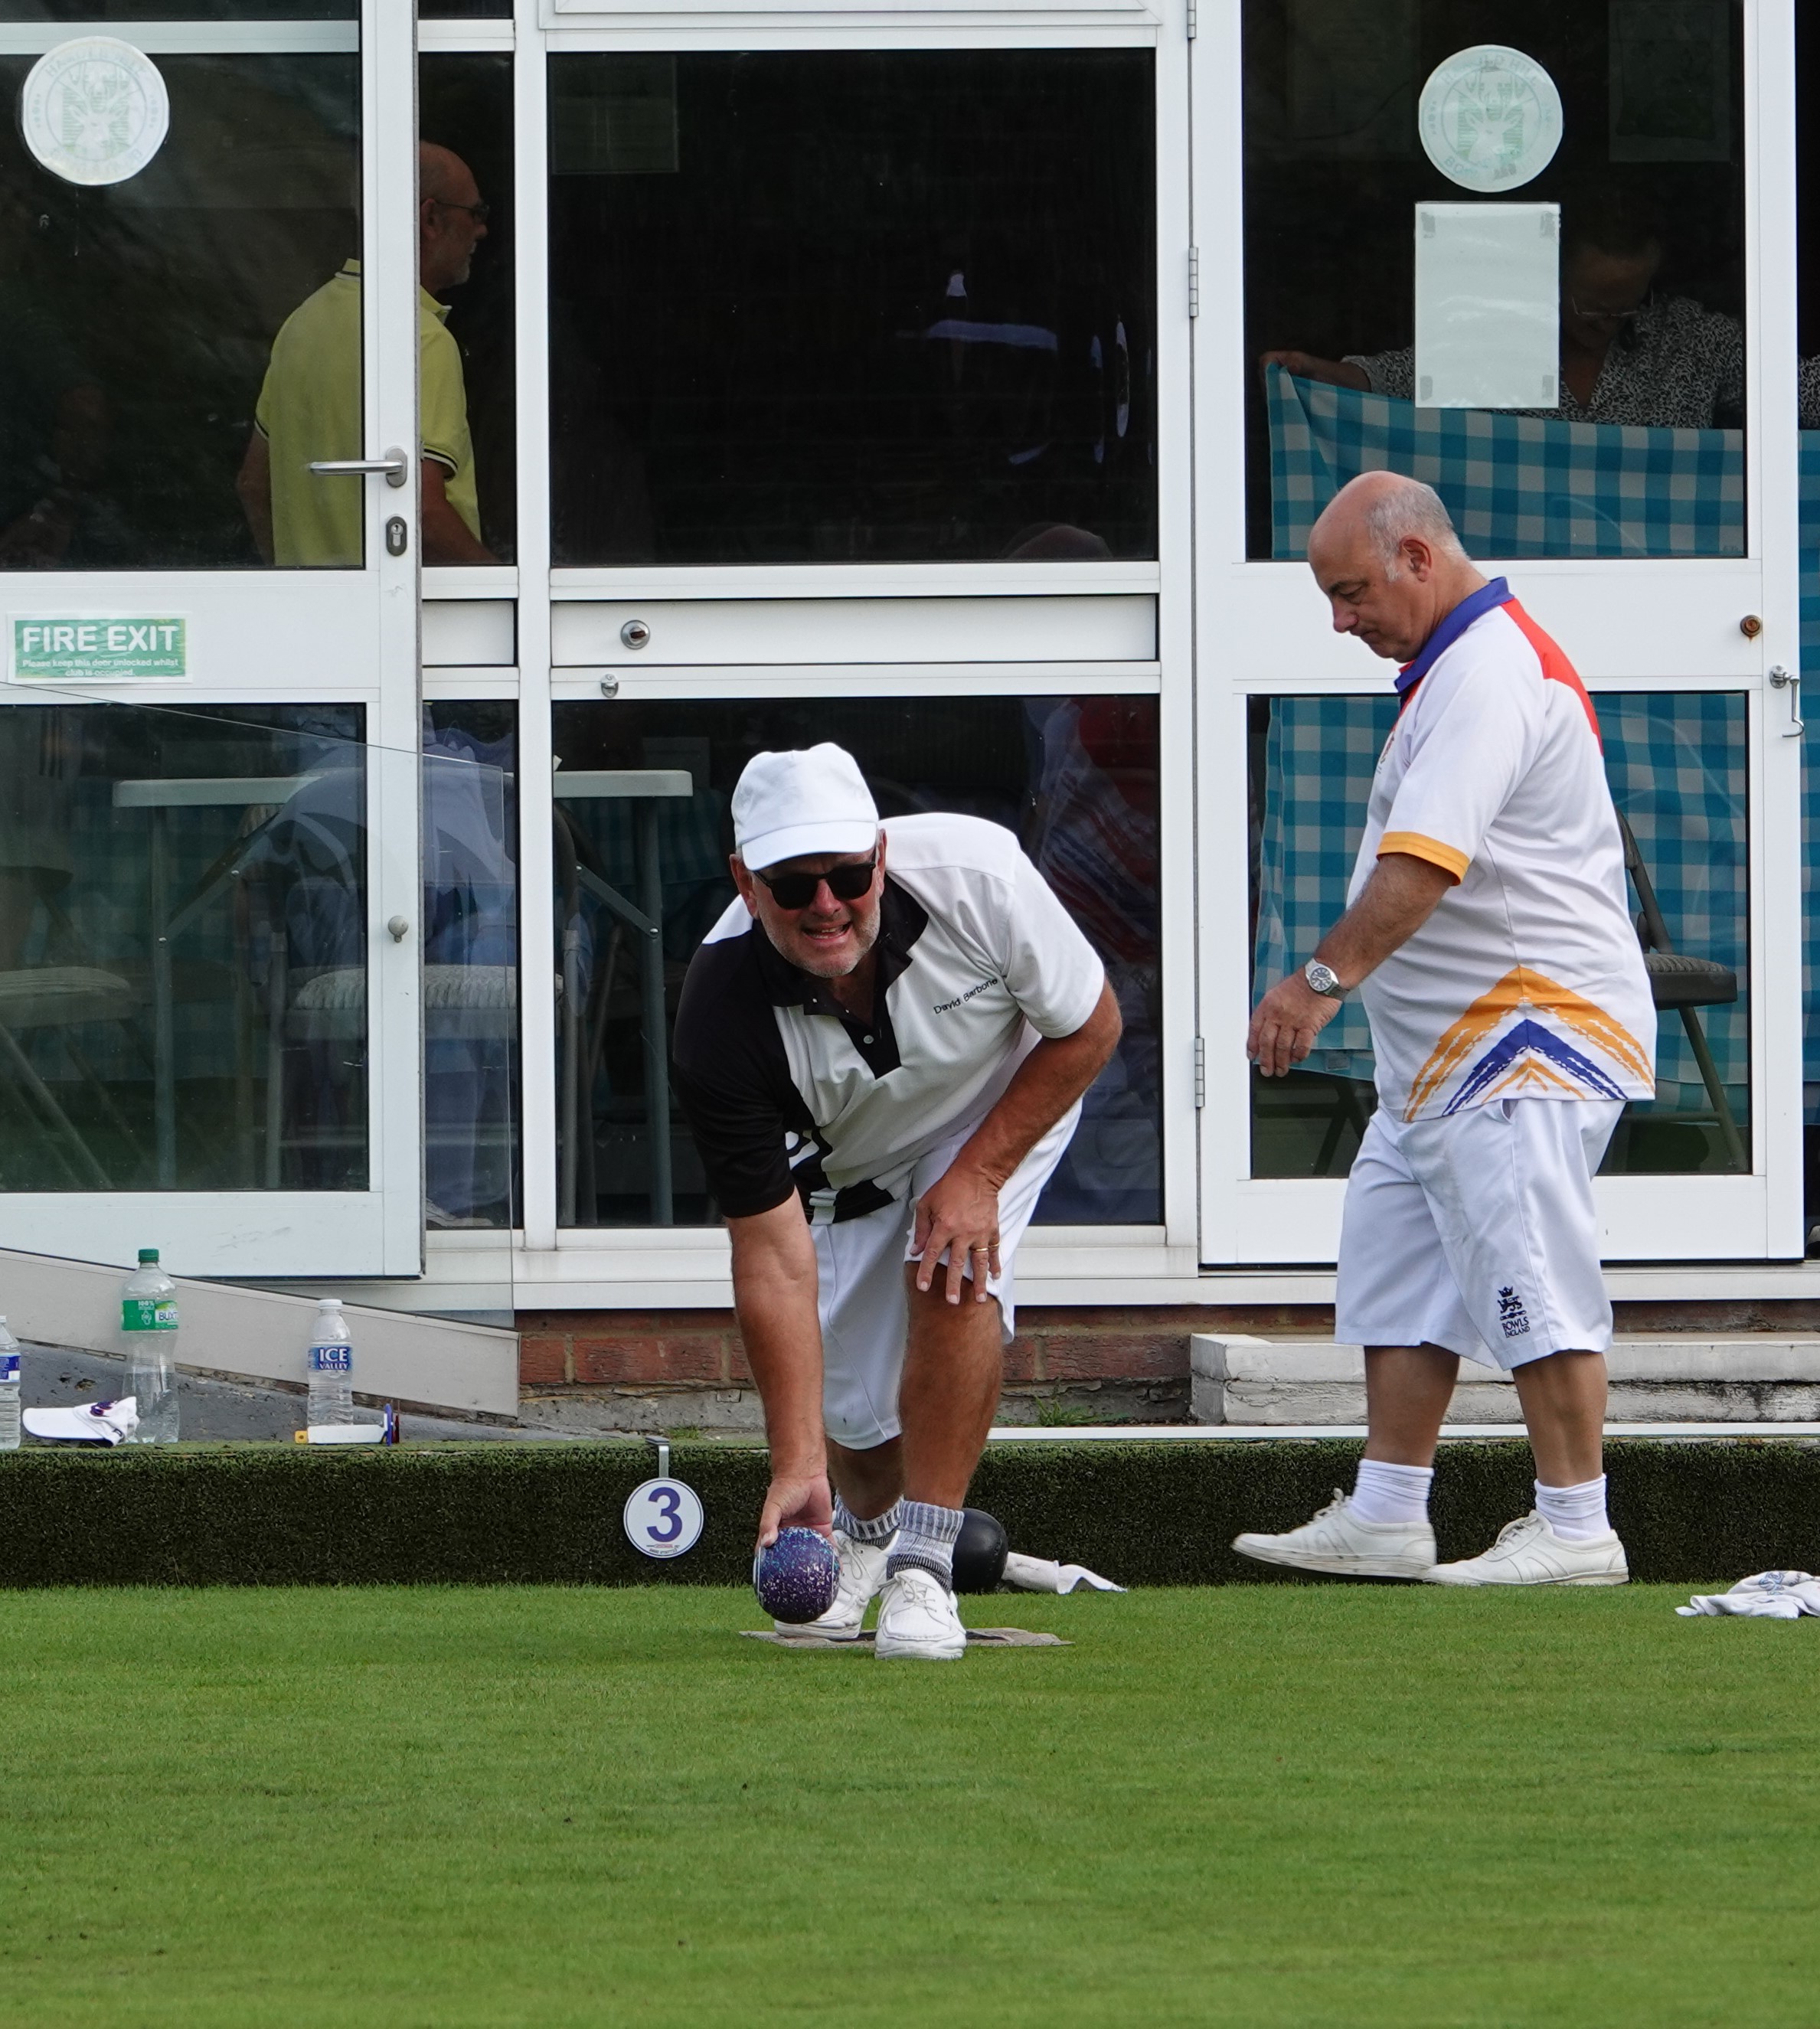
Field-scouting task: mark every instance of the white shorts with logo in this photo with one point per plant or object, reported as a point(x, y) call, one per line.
point(1478, 1232)
point(864, 1305)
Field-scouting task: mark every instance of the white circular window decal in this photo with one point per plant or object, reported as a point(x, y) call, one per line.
point(95, 110)
point(1490, 118)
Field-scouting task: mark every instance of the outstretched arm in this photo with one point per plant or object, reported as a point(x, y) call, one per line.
point(774, 1289)
point(1403, 893)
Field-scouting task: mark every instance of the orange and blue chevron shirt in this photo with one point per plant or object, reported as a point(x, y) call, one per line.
point(1528, 980)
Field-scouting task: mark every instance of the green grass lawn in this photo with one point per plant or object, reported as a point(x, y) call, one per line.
point(1248, 1805)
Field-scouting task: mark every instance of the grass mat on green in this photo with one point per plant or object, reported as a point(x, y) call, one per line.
point(1250, 1805)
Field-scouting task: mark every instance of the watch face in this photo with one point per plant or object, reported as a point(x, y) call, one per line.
point(1322, 978)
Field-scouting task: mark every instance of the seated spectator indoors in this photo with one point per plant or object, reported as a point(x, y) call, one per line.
point(1628, 355)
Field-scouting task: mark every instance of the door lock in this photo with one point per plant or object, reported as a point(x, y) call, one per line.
point(635, 634)
point(397, 535)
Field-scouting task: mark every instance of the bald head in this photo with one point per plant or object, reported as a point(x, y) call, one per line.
point(1385, 553)
point(448, 226)
point(441, 174)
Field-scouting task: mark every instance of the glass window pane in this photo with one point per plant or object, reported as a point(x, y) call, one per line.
point(1677, 765)
point(470, 963)
point(830, 306)
point(183, 949)
point(1076, 778)
point(1349, 117)
point(142, 316)
point(464, 106)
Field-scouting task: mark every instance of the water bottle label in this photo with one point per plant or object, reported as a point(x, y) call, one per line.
point(9, 1368)
point(331, 1360)
point(139, 1314)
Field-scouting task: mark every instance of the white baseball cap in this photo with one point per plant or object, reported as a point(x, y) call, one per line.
point(812, 800)
point(92, 1422)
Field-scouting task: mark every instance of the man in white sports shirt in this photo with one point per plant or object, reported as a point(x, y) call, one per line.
point(881, 1070)
point(1488, 930)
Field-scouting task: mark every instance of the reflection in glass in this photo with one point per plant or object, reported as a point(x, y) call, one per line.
point(642, 836)
point(470, 975)
point(1677, 765)
point(139, 316)
point(464, 107)
point(829, 307)
point(183, 949)
point(1650, 183)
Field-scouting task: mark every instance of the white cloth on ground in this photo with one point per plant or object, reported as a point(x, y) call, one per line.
point(1767, 1596)
point(1038, 1574)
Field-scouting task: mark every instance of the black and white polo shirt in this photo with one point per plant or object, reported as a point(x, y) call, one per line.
point(784, 1090)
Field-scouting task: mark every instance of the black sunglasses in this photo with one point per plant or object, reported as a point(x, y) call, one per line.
point(479, 213)
point(845, 883)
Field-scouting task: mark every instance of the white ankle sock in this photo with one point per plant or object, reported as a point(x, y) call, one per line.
point(1576, 1513)
point(1391, 1492)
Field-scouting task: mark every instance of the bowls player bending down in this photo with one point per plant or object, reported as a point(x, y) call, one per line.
point(882, 1069)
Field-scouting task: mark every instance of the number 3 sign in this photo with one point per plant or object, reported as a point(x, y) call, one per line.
point(664, 1517)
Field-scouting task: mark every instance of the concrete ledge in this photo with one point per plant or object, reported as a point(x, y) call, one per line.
point(258, 1334)
point(1237, 1379)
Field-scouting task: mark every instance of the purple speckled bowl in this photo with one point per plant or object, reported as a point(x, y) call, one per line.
point(795, 1579)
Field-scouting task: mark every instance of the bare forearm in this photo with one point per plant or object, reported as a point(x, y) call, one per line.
point(1403, 893)
point(1048, 1081)
point(774, 1297)
point(447, 538)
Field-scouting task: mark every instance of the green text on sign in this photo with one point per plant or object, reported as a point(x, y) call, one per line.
point(100, 649)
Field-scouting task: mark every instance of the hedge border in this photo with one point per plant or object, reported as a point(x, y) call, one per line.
point(500, 1514)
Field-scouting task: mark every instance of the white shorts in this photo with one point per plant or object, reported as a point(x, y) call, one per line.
point(1478, 1232)
point(861, 1294)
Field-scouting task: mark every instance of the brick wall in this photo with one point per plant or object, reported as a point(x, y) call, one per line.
point(582, 1349)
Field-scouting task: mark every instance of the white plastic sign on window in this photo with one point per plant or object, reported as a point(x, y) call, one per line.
point(664, 1517)
point(1488, 305)
point(1490, 118)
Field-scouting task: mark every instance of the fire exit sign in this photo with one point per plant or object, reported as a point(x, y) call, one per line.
point(98, 648)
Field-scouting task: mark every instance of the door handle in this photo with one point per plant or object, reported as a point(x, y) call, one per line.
point(395, 465)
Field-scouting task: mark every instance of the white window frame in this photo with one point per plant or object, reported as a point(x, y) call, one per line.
point(260, 637)
point(1645, 625)
point(614, 1267)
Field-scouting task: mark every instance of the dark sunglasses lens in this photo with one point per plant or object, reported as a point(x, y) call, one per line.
point(845, 883)
point(849, 883)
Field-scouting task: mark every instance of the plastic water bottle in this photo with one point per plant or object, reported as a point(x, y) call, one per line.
point(330, 1368)
point(148, 1318)
point(9, 1389)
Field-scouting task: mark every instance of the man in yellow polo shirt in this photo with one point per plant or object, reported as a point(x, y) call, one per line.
point(310, 405)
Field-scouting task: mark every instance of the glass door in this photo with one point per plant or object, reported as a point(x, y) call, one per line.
point(859, 348)
point(211, 496)
point(1613, 429)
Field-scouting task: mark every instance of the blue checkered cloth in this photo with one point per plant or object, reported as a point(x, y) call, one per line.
point(1677, 768)
point(1517, 486)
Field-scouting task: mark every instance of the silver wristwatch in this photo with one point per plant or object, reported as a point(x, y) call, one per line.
point(1322, 979)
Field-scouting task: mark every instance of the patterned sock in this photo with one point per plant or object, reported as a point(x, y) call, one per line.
point(1575, 1513)
point(926, 1538)
point(1385, 1493)
point(880, 1529)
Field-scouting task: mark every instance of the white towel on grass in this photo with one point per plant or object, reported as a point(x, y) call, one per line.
point(1038, 1574)
point(1768, 1596)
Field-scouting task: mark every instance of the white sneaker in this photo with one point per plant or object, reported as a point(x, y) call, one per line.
point(1529, 1552)
point(917, 1619)
point(1336, 1541)
point(861, 1581)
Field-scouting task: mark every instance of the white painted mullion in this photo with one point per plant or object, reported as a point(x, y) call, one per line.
point(1773, 467)
point(395, 833)
point(1175, 629)
point(1222, 834)
point(536, 868)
